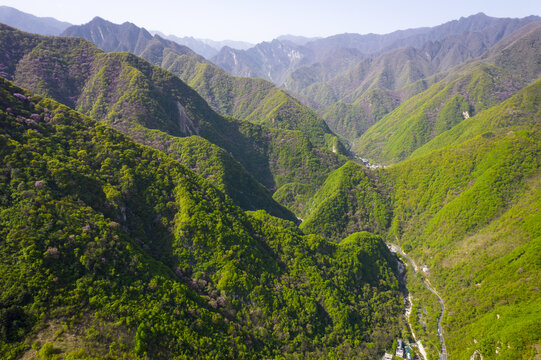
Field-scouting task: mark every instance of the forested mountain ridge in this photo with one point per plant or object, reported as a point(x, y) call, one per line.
point(455, 96)
point(93, 225)
point(356, 99)
point(354, 80)
point(243, 98)
point(350, 200)
point(134, 96)
point(522, 109)
point(470, 212)
point(467, 205)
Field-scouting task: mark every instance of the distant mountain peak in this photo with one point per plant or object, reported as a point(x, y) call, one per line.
point(97, 19)
point(478, 15)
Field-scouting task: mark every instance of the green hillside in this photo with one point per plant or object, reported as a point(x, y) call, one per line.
point(466, 205)
point(154, 207)
point(356, 98)
point(350, 200)
point(244, 98)
point(111, 249)
point(471, 213)
point(132, 95)
point(441, 107)
point(510, 65)
point(351, 120)
point(522, 109)
point(249, 99)
point(216, 166)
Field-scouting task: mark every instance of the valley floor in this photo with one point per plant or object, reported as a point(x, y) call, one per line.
point(443, 352)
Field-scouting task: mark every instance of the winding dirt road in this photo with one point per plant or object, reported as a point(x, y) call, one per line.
point(426, 283)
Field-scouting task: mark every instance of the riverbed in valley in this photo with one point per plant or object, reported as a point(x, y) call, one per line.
point(443, 350)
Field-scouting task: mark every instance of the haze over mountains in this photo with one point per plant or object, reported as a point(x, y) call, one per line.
point(353, 80)
point(158, 204)
point(50, 26)
point(31, 23)
point(205, 47)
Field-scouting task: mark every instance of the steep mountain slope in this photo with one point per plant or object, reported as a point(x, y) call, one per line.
point(471, 214)
point(356, 99)
point(215, 165)
point(113, 249)
point(465, 91)
point(467, 206)
point(205, 47)
point(350, 200)
point(521, 109)
point(31, 23)
point(275, 60)
point(354, 80)
point(243, 98)
point(134, 96)
point(268, 60)
point(114, 38)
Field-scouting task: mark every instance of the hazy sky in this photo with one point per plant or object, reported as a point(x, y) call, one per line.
point(259, 20)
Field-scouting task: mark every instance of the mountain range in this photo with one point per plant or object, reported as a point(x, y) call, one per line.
point(354, 80)
point(28, 22)
point(154, 205)
point(205, 47)
point(267, 103)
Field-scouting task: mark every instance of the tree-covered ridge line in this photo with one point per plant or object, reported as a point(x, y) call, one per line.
point(350, 200)
point(463, 198)
point(354, 80)
point(356, 100)
point(131, 95)
point(523, 108)
point(467, 207)
point(471, 213)
point(454, 96)
point(94, 225)
point(244, 98)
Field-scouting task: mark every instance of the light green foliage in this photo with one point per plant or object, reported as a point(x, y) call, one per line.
point(471, 213)
point(134, 96)
point(424, 116)
point(139, 257)
point(144, 259)
point(214, 165)
point(349, 201)
point(522, 109)
point(351, 120)
point(254, 100)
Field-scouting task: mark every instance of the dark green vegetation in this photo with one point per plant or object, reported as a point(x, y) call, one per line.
point(350, 200)
point(134, 96)
point(94, 225)
point(114, 224)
